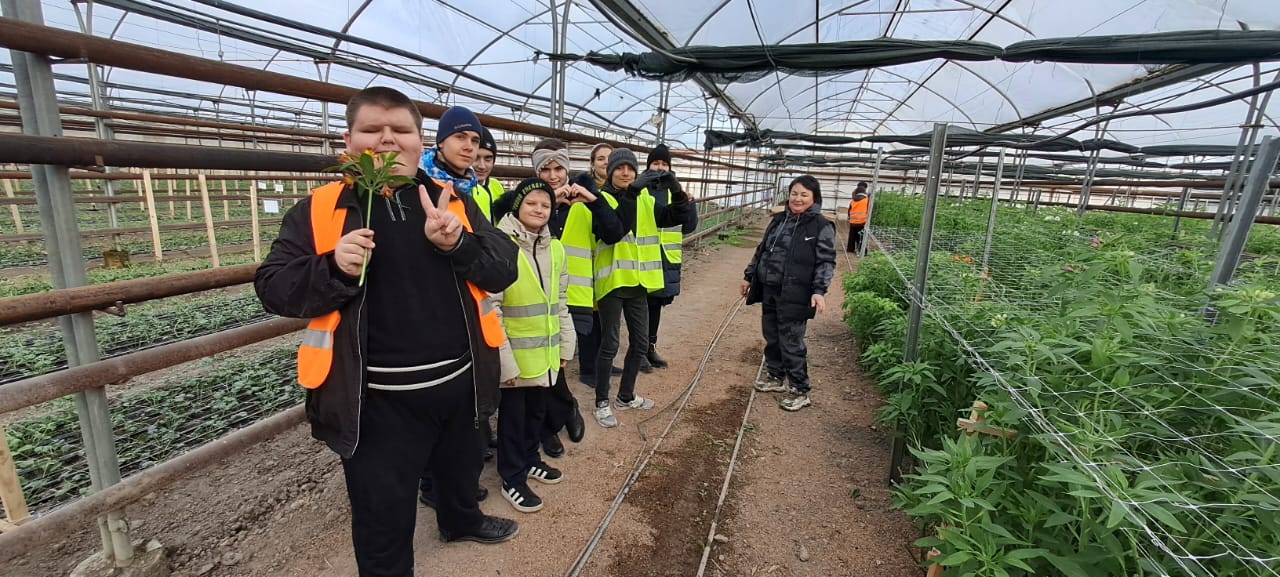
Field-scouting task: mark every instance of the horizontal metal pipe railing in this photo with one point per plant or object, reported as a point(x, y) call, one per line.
point(28, 237)
point(47, 387)
point(58, 302)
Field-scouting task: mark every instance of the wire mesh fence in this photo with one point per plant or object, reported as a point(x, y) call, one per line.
point(1149, 407)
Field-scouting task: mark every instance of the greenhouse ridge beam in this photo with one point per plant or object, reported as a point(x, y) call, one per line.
point(650, 34)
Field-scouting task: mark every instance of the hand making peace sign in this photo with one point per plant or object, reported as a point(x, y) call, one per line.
point(443, 228)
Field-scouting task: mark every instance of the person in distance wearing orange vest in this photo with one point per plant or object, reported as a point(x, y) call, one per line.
point(399, 370)
point(858, 210)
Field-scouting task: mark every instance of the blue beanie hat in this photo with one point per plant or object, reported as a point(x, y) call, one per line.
point(457, 119)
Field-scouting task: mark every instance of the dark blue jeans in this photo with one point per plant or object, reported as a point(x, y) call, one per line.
point(631, 303)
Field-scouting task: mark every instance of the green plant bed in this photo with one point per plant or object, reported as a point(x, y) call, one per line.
point(1147, 436)
point(27, 352)
point(154, 425)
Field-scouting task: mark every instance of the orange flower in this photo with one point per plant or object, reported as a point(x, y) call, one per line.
point(349, 180)
point(386, 192)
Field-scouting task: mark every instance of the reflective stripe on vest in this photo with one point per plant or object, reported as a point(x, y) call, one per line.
point(672, 240)
point(315, 354)
point(636, 260)
point(579, 245)
point(531, 316)
point(858, 210)
point(490, 324)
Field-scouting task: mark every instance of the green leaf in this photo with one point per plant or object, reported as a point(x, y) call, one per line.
point(1116, 515)
point(1068, 566)
point(954, 559)
point(1060, 518)
point(1163, 515)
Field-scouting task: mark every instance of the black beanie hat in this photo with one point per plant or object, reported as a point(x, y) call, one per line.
point(487, 141)
point(659, 152)
point(525, 188)
point(809, 182)
point(455, 120)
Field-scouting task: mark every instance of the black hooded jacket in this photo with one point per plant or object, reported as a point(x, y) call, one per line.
point(798, 254)
point(296, 282)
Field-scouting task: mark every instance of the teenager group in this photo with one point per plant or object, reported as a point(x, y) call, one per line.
point(435, 305)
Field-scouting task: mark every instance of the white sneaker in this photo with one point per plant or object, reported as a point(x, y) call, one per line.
point(636, 403)
point(604, 415)
point(768, 383)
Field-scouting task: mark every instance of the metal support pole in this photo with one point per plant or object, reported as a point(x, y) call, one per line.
point(991, 215)
point(1017, 179)
point(1087, 190)
point(977, 180)
point(1182, 205)
point(1237, 229)
point(910, 350)
point(1240, 161)
point(871, 204)
point(38, 104)
point(100, 123)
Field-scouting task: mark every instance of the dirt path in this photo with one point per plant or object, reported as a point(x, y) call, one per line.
point(814, 478)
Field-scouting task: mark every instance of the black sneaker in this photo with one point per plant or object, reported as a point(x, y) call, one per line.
point(645, 367)
point(522, 498)
point(546, 474)
point(552, 447)
point(491, 530)
point(576, 427)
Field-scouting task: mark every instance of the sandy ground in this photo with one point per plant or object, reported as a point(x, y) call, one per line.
point(807, 497)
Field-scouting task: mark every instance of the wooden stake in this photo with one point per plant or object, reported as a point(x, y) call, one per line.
point(13, 208)
point(15, 504)
point(151, 210)
point(226, 204)
point(253, 219)
point(188, 183)
point(208, 221)
point(970, 425)
point(137, 187)
point(168, 184)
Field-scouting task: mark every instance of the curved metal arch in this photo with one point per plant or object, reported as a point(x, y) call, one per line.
point(806, 90)
point(501, 34)
point(993, 87)
point(820, 20)
point(346, 28)
point(704, 22)
point(920, 85)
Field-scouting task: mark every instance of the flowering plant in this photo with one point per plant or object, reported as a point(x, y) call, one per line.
point(370, 174)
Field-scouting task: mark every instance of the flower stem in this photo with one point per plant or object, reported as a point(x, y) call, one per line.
point(368, 214)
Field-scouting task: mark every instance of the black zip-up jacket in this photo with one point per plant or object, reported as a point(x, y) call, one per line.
point(798, 254)
point(675, 213)
point(294, 281)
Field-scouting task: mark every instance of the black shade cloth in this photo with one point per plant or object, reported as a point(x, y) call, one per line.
point(1181, 47)
point(724, 64)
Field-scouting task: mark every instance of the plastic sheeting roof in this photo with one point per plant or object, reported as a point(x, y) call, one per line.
point(499, 41)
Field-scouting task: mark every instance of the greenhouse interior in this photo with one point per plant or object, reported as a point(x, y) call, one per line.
point(1036, 246)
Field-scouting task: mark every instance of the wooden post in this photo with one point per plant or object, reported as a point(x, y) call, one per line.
point(168, 184)
point(188, 183)
point(15, 504)
point(971, 424)
point(151, 210)
point(142, 204)
point(226, 204)
point(253, 219)
point(208, 221)
point(13, 208)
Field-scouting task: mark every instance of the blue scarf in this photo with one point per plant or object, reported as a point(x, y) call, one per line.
point(463, 186)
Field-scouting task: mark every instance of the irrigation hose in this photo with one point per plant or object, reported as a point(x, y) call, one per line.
point(728, 476)
point(643, 457)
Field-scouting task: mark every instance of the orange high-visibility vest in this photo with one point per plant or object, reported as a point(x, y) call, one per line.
point(490, 324)
point(315, 355)
point(858, 210)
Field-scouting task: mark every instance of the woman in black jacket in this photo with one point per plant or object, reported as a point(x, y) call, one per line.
point(789, 275)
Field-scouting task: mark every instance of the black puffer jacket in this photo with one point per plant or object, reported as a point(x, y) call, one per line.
point(798, 254)
point(294, 281)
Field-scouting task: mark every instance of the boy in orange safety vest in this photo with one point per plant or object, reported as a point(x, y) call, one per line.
point(858, 209)
point(397, 370)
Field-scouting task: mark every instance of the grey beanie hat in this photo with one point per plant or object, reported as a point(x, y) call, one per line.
point(621, 156)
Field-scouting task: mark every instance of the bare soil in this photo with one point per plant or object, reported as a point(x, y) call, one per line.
point(814, 479)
